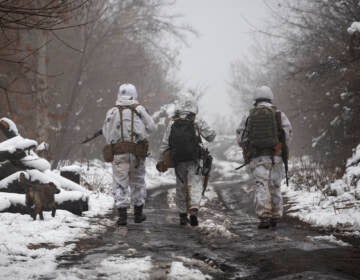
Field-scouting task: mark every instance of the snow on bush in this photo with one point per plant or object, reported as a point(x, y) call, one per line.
point(355, 26)
point(333, 205)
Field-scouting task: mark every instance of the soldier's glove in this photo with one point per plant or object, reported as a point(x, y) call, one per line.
point(161, 166)
point(278, 147)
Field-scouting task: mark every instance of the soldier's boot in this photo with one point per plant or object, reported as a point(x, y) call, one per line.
point(264, 223)
point(139, 216)
point(122, 220)
point(273, 222)
point(193, 217)
point(183, 219)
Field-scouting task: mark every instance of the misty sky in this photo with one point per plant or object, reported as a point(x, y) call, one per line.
point(224, 37)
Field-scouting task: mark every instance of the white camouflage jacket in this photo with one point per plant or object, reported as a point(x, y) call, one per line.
point(204, 129)
point(143, 123)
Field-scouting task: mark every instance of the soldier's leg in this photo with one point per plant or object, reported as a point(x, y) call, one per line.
point(138, 187)
point(121, 167)
point(181, 197)
point(275, 190)
point(137, 181)
point(261, 175)
point(195, 189)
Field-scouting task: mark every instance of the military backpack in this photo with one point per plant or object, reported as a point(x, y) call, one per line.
point(184, 141)
point(263, 131)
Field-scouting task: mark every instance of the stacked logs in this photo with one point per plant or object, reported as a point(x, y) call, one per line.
point(17, 156)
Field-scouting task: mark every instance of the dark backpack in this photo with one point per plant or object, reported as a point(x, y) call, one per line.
point(183, 140)
point(263, 130)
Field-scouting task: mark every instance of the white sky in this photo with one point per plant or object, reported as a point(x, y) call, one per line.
point(224, 37)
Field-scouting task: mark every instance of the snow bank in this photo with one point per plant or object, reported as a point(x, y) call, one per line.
point(26, 244)
point(179, 271)
point(336, 206)
point(17, 143)
point(355, 26)
point(120, 267)
point(154, 178)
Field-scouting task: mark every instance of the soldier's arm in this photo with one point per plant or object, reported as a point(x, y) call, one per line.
point(165, 141)
point(286, 126)
point(147, 119)
point(110, 123)
point(205, 130)
point(240, 131)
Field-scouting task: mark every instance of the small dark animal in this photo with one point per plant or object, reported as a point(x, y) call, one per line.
point(39, 197)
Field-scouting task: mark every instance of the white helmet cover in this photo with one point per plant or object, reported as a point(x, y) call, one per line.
point(127, 91)
point(263, 92)
point(187, 103)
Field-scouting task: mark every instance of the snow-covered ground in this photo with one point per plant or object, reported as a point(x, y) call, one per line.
point(27, 244)
point(334, 207)
point(28, 249)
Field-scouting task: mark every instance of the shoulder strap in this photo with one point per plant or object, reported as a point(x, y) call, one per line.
point(132, 108)
point(121, 122)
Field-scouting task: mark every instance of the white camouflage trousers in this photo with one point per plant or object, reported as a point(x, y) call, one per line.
point(268, 198)
point(188, 187)
point(128, 176)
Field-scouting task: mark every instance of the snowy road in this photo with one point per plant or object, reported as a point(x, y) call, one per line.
point(161, 249)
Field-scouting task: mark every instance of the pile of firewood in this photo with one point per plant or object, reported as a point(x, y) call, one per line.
point(20, 155)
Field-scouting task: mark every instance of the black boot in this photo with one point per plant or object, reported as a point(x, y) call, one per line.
point(193, 217)
point(139, 216)
point(122, 220)
point(183, 219)
point(264, 223)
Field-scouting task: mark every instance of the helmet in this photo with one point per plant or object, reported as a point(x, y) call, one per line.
point(127, 91)
point(187, 103)
point(263, 92)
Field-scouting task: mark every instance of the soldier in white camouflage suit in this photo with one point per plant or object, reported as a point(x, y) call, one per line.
point(188, 180)
point(267, 169)
point(128, 169)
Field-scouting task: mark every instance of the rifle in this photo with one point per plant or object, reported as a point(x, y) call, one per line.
point(284, 154)
point(96, 134)
point(241, 166)
point(356, 162)
point(206, 168)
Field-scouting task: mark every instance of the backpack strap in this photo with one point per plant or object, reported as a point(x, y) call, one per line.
point(133, 112)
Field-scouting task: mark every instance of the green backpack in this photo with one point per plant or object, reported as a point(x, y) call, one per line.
point(263, 131)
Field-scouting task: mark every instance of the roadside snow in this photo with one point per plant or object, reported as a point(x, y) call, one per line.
point(336, 206)
point(178, 272)
point(28, 249)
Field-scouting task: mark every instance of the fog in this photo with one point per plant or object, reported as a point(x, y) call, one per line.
point(224, 35)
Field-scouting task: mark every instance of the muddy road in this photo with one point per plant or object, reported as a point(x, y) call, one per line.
point(291, 251)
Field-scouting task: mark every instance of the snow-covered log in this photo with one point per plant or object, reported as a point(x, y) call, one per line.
point(7, 168)
point(71, 172)
point(74, 202)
